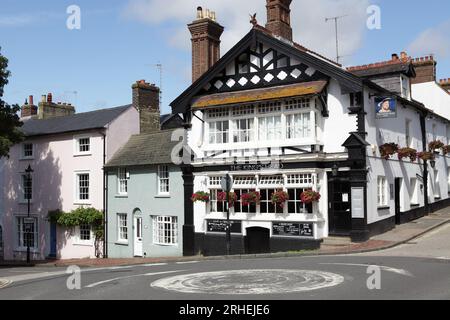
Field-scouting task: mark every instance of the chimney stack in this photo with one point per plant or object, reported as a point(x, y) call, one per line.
point(206, 33)
point(425, 70)
point(279, 18)
point(48, 109)
point(445, 84)
point(146, 101)
point(28, 109)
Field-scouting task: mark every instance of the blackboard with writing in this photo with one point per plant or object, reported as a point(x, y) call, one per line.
point(221, 226)
point(292, 229)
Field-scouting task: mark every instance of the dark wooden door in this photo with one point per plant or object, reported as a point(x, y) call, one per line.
point(258, 240)
point(339, 206)
point(398, 185)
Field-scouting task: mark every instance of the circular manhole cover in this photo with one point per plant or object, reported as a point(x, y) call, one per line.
point(274, 281)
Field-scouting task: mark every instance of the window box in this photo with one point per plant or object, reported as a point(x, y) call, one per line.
point(384, 208)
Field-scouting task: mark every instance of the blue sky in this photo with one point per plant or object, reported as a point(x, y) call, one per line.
point(121, 41)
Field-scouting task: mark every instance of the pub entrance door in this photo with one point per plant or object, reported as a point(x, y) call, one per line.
point(258, 240)
point(339, 205)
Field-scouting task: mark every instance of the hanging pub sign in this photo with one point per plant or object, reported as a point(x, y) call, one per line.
point(292, 229)
point(385, 107)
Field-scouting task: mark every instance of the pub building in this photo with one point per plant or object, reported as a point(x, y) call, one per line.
point(277, 116)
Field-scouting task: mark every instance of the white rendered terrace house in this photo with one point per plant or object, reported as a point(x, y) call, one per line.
point(67, 152)
point(277, 116)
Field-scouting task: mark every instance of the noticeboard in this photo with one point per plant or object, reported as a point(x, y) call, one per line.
point(292, 229)
point(221, 226)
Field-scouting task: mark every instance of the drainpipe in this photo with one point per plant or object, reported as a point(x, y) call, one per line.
point(105, 201)
point(425, 163)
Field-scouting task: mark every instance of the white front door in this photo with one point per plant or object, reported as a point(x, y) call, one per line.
point(138, 237)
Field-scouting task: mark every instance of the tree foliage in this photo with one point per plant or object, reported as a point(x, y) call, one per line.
point(10, 123)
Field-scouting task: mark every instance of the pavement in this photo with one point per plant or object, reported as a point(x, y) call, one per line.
point(402, 234)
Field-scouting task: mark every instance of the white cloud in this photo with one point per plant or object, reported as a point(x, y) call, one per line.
point(432, 41)
point(308, 21)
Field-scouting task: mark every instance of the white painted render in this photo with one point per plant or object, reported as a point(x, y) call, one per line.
point(433, 96)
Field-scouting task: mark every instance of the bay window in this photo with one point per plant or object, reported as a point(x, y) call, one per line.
point(218, 132)
point(243, 130)
point(298, 126)
point(270, 128)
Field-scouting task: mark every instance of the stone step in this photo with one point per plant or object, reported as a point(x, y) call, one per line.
point(337, 241)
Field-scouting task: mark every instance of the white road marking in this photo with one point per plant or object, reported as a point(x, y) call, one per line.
point(187, 262)
point(245, 282)
point(4, 283)
point(385, 268)
point(33, 276)
point(133, 276)
point(443, 258)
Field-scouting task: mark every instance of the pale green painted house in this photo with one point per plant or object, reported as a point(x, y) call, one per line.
point(145, 207)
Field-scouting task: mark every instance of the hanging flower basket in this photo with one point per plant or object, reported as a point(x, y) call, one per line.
point(435, 145)
point(279, 198)
point(407, 153)
point(425, 156)
point(445, 150)
point(200, 196)
point(310, 196)
point(232, 198)
point(250, 198)
point(388, 149)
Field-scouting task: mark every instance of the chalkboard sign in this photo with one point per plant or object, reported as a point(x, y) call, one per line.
point(292, 229)
point(221, 226)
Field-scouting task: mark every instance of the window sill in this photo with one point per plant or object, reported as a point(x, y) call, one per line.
point(80, 203)
point(162, 196)
point(83, 244)
point(26, 159)
point(414, 205)
point(437, 198)
point(25, 201)
point(383, 208)
point(24, 250)
point(122, 243)
point(121, 196)
point(165, 244)
point(82, 154)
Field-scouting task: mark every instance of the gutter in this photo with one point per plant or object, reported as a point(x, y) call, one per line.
point(105, 201)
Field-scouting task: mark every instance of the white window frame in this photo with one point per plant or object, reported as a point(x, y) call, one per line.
point(270, 131)
point(76, 145)
point(159, 226)
point(291, 127)
point(122, 181)
point(77, 174)
point(22, 188)
point(249, 132)
point(382, 192)
point(19, 240)
point(79, 241)
point(163, 169)
point(437, 186)
point(22, 151)
point(214, 132)
point(123, 229)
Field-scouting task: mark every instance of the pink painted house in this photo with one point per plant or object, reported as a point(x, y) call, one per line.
point(67, 152)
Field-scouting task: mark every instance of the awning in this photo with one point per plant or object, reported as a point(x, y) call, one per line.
point(248, 96)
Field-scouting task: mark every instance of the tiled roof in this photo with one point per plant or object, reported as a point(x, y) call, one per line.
point(77, 122)
point(145, 149)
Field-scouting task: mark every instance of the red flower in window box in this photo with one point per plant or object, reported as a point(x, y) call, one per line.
point(426, 156)
point(434, 145)
point(200, 196)
point(232, 198)
point(407, 152)
point(251, 197)
point(279, 198)
point(310, 196)
point(446, 150)
point(388, 149)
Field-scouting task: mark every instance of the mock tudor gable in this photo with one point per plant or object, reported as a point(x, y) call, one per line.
point(262, 60)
